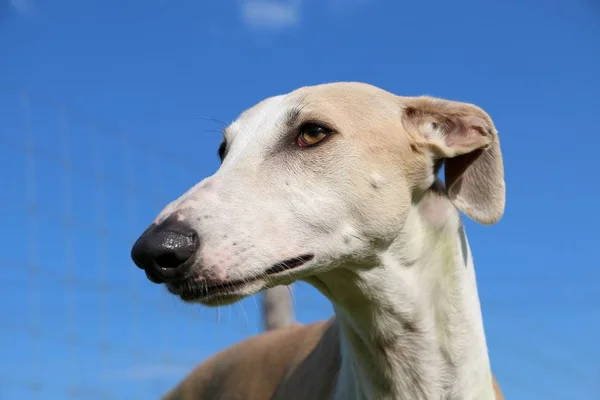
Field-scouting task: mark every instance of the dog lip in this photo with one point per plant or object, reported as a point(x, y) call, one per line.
point(290, 264)
point(189, 289)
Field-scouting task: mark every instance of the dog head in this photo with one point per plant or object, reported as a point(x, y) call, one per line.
point(315, 179)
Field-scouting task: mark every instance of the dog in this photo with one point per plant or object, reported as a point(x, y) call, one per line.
point(337, 185)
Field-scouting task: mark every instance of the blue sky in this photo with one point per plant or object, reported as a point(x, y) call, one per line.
point(101, 107)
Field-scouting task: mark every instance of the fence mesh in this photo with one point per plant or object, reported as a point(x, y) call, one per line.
point(79, 321)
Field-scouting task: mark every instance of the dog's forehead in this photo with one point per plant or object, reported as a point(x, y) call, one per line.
point(340, 101)
point(266, 112)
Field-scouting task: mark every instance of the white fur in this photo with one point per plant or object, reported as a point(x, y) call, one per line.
point(403, 289)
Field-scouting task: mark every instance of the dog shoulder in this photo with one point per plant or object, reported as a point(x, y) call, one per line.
point(251, 369)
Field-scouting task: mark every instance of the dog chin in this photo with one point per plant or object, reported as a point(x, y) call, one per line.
point(222, 300)
point(192, 291)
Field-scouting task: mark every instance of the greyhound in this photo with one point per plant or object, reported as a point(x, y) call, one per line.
point(337, 185)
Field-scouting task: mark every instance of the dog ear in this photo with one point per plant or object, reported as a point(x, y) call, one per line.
point(464, 138)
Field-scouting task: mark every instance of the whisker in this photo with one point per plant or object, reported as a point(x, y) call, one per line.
point(213, 131)
point(245, 315)
point(292, 297)
point(256, 304)
point(218, 121)
point(218, 312)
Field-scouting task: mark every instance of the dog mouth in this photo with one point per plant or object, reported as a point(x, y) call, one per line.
point(189, 289)
point(289, 264)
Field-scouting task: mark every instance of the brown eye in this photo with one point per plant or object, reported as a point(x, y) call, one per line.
point(311, 134)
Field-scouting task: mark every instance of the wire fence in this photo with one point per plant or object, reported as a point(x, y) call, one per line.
point(79, 321)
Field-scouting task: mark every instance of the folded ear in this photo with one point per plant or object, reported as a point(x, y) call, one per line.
point(464, 138)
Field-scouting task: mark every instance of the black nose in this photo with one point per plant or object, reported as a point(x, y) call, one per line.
point(164, 250)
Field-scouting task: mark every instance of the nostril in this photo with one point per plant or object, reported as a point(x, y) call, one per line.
point(169, 260)
point(176, 249)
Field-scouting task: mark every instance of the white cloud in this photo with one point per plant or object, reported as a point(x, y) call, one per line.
point(270, 14)
point(25, 7)
point(143, 372)
point(281, 14)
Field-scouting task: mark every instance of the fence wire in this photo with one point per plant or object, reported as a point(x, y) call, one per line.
point(79, 321)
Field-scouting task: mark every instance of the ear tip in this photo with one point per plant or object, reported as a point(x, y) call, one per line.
point(495, 210)
point(486, 217)
point(492, 219)
point(486, 213)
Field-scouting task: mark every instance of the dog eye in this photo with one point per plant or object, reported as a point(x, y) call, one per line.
point(222, 150)
point(311, 134)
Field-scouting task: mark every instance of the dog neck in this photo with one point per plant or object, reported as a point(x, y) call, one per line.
point(410, 325)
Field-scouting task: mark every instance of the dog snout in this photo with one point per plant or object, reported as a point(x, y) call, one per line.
point(165, 250)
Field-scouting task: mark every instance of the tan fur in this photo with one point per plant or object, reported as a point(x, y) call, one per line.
point(390, 251)
point(276, 365)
